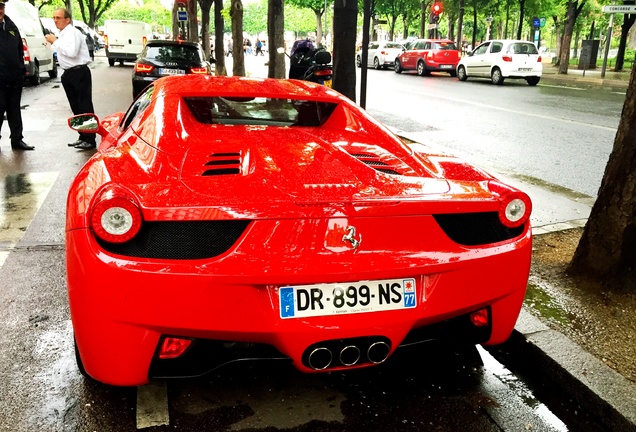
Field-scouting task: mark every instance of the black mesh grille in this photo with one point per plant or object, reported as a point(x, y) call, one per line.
point(472, 229)
point(180, 240)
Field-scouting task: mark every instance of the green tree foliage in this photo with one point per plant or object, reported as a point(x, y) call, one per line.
point(318, 7)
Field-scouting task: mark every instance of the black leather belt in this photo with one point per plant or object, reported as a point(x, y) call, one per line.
point(75, 67)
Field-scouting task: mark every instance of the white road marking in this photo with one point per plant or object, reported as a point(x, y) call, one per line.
point(152, 405)
point(561, 87)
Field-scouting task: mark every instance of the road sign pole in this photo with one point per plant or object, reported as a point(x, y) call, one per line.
point(608, 38)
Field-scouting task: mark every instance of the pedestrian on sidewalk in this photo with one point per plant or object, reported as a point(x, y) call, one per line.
point(12, 72)
point(73, 57)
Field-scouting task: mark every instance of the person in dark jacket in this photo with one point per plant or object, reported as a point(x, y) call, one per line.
point(12, 74)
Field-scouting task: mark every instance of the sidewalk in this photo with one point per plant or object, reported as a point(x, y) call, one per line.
point(619, 80)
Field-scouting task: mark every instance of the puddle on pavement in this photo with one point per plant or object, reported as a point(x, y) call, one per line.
point(521, 390)
point(21, 195)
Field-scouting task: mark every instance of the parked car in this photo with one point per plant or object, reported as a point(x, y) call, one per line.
point(501, 59)
point(38, 57)
point(227, 219)
point(161, 58)
point(381, 54)
point(428, 55)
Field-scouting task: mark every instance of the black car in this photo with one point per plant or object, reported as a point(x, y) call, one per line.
point(161, 58)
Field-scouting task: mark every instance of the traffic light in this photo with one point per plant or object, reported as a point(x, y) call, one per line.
point(436, 9)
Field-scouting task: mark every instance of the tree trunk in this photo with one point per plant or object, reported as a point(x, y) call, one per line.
point(607, 248)
point(628, 21)
point(423, 19)
point(572, 14)
point(219, 41)
point(522, 7)
point(319, 30)
point(193, 28)
point(175, 21)
point(238, 56)
point(205, 6)
point(276, 36)
point(345, 17)
point(474, 40)
point(460, 25)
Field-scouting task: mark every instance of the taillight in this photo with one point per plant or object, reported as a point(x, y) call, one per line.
point(199, 70)
point(144, 39)
point(144, 68)
point(429, 54)
point(514, 207)
point(173, 347)
point(323, 72)
point(27, 54)
point(539, 59)
point(506, 58)
point(105, 41)
point(480, 318)
point(116, 218)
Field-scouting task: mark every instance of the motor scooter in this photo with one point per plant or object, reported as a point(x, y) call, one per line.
point(310, 64)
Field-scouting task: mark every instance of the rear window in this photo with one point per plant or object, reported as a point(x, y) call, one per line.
point(393, 45)
point(523, 48)
point(444, 46)
point(259, 111)
point(173, 52)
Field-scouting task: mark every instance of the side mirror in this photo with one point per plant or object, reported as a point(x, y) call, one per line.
point(88, 123)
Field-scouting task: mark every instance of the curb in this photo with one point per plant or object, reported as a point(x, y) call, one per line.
point(545, 355)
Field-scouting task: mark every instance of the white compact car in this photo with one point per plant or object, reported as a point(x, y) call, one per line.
point(501, 59)
point(381, 55)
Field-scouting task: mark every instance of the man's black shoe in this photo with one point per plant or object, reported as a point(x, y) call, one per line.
point(73, 144)
point(21, 146)
point(83, 145)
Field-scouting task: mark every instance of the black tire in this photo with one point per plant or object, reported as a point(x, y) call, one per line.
point(35, 78)
point(80, 364)
point(111, 62)
point(496, 76)
point(453, 73)
point(533, 81)
point(358, 61)
point(53, 72)
point(461, 73)
point(376, 64)
point(421, 68)
point(397, 67)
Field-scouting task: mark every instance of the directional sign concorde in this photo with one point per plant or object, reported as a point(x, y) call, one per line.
point(619, 9)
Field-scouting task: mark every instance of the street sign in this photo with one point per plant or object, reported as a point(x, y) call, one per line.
point(542, 22)
point(619, 9)
point(182, 15)
point(536, 22)
point(432, 26)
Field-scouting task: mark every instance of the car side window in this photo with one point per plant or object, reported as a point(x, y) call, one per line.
point(373, 46)
point(496, 47)
point(481, 49)
point(421, 45)
point(137, 108)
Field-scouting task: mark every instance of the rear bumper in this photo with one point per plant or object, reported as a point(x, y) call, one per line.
point(122, 309)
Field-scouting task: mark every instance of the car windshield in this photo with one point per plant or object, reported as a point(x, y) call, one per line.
point(444, 46)
point(259, 111)
point(523, 48)
point(173, 52)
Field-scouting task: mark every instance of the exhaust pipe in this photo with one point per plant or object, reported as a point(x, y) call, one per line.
point(378, 352)
point(320, 358)
point(349, 355)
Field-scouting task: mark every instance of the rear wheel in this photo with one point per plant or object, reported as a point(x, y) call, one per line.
point(533, 81)
point(35, 78)
point(397, 67)
point(111, 62)
point(421, 68)
point(461, 73)
point(496, 76)
point(376, 64)
point(80, 364)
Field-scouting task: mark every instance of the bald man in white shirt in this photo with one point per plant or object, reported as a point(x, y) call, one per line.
point(73, 57)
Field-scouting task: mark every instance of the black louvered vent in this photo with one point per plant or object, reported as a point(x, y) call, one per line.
point(473, 229)
point(183, 240)
point(374, 162)
point(223, 164)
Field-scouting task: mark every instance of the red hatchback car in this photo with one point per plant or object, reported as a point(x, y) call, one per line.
point(428, 55)
point(226, 219)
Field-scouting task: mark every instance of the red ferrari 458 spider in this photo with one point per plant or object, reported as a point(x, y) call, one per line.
point(232, 218)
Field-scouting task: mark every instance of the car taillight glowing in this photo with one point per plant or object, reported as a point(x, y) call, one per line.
point(199, 70)
point(173, 347)
point(323, 72)
point(515, 206)
point(106, 41)
point(27, 54)
point(116, 219)
point(144, 68)
point(506, 58)
point(539, 59)
point(144, 39)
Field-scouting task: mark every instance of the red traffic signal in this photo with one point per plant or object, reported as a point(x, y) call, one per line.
point(437, 8)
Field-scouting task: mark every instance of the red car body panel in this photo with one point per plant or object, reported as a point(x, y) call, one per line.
point(299, 189)
point(428, 52)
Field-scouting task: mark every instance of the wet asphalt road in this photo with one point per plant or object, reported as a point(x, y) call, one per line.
point(40, 388)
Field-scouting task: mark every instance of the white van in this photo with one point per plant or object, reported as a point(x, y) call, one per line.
point(125, 39)
point(38, 57)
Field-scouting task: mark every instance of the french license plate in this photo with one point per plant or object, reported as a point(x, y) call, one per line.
point(347, 298)
point(445, 66)
point(165, 71)
point(327, 83)
point(525, 69)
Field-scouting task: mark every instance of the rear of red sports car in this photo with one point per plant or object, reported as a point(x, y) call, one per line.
point(233, 218)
